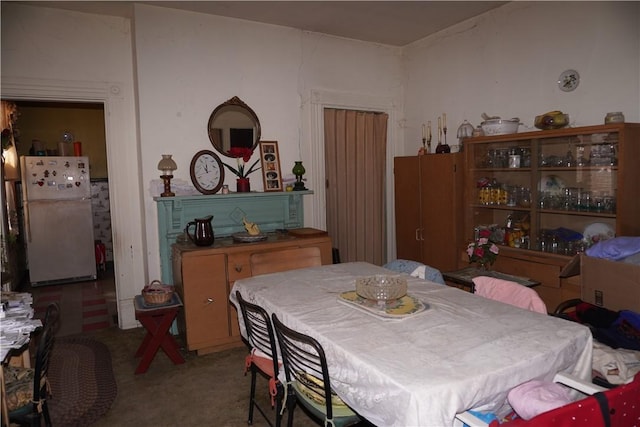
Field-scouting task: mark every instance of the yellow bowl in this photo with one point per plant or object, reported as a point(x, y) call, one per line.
point(551, 121)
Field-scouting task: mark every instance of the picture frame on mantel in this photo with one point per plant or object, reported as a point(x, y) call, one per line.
point(270, 159)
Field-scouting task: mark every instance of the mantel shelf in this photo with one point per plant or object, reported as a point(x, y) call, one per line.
point(270, 210)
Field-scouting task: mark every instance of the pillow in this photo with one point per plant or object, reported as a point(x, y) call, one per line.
point(535, 397)
point(18, 386)
point(416, 269)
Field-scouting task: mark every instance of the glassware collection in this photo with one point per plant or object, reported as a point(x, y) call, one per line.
point(554, 192)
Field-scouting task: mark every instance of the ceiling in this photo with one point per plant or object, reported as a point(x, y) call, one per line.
point(394, 23)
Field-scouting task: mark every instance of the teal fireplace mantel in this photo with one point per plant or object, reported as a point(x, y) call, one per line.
point(270, 210)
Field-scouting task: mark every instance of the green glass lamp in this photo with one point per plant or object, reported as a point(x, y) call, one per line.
point(298, 171)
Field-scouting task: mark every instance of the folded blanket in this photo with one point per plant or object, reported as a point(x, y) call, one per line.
point(615, 249)
point(509, 293)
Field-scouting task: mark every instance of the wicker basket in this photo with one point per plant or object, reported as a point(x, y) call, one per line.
point(157, 293)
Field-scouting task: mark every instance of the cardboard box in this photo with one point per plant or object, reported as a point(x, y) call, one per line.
point(611, 284)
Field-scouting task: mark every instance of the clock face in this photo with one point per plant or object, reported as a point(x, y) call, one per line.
point(207, 172)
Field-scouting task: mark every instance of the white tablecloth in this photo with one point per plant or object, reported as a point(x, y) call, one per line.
point(464, 352)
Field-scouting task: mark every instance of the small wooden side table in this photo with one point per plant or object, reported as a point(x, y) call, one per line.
point(157, 321)
point(464, 278)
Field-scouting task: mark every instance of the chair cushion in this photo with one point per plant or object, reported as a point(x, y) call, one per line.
point(18, 386)
point(315, 402)
point(535, 397)
point(312, 388)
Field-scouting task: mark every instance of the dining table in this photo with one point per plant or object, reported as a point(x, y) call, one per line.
point(418, 361)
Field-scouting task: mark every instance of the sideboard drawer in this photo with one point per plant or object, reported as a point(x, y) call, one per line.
point(238, 266)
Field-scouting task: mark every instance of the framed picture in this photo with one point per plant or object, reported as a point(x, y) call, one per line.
point(270, 159)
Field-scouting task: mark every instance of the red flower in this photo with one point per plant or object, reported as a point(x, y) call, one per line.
point(484, 233)
point(243, 152)
point(242, 155)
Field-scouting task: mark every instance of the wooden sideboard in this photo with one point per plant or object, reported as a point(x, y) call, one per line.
point(204, 277)
point(270, 210)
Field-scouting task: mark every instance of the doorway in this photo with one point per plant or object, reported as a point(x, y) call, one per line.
point(355, 172)
point(50, 128)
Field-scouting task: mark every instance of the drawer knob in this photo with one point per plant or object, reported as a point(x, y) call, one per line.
point(238, 268)
point(209, 301)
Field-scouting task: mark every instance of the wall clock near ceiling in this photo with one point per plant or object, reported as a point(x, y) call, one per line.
point(207, 172)
point(568, 80)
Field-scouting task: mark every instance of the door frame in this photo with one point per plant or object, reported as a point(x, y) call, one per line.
point(123, 160)
point(321, 99)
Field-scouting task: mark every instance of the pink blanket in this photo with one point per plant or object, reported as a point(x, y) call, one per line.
point(509, 293)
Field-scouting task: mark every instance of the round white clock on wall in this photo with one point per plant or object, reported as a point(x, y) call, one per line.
point(568, 80)
point(207, 172)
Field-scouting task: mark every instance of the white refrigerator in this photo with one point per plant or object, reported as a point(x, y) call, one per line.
point(58, 223)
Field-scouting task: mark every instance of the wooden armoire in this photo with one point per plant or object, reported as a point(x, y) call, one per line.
point(428, 208)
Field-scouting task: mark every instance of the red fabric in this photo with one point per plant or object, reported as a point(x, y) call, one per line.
point(624, 411)
point(265, 364)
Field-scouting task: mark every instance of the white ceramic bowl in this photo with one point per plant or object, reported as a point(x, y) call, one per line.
point(381, 287)
point(500, 126)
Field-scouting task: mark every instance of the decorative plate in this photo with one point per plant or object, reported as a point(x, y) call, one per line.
point(245, 237)
point(551, 184)
point(398, 308)
point(597, 232)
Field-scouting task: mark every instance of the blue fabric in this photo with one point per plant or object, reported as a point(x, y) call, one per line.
point(487, 417)
point(408, 266)
point(615, 249)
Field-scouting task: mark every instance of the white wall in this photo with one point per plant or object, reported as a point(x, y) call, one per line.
point(51, 54)
point(506, 62)
point(188, 63)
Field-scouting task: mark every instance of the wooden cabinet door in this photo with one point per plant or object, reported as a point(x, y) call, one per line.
point(441, 207)
point(206, 305)
point(407, 207)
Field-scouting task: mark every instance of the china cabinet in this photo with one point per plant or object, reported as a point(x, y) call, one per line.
point(548, 195)
point(204, 276)
point(428, 208)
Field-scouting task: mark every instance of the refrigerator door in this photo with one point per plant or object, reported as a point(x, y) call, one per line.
point(55, 178)
point(60, 243)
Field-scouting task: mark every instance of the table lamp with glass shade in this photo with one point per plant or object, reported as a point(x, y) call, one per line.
point(167, 165)
point(298, 171)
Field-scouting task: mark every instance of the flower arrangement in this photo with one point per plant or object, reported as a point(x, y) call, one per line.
point(483, 251)
point(242, 154)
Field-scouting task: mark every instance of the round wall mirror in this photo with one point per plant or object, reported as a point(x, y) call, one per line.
point(233, 124)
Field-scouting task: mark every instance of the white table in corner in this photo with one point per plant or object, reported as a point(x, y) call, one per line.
point(463, 352)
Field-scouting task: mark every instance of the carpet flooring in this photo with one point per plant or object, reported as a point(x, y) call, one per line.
point(208, 390)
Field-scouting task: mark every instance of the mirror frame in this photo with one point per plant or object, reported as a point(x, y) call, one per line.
point(233, 104)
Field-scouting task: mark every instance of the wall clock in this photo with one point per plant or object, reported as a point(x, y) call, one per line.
point(568, 80)
point(207, 172)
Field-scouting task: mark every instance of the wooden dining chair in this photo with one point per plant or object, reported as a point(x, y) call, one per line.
point(28, 389)
point(285, 259)
point(308, 382)
point(263, 357)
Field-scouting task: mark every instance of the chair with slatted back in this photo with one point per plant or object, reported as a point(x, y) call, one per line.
point(285, 259)
point(28, 412)
point(308, 382)
point(263, 356)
